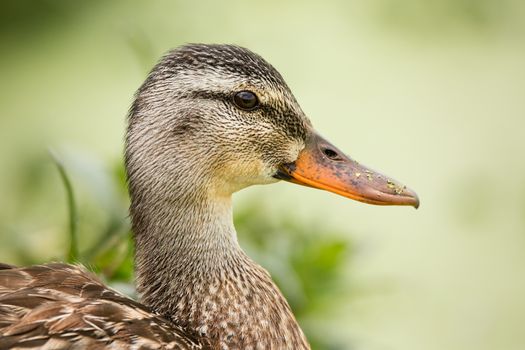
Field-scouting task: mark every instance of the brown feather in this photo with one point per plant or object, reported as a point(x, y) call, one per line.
point(60, 306)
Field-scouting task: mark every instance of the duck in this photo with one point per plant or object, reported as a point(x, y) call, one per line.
point(208, 121)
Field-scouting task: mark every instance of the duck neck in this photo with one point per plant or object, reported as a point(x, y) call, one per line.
point(191, 269)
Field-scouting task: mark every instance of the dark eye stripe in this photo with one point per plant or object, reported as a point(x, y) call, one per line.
point(246, 100)
point(212, 95)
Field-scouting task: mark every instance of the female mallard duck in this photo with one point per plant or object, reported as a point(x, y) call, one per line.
point(208, 121)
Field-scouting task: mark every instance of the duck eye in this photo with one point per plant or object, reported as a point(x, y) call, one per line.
point(246, 100)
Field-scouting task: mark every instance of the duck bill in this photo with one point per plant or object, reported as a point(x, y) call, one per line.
point(323, 166)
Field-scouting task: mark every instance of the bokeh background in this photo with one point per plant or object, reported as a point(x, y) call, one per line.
point(429, 92)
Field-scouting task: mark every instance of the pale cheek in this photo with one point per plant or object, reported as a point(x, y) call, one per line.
point(258, 173)
point(236, 175)
point(294, 150)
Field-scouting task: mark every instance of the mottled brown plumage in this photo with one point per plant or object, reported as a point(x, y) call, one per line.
point(59, 306)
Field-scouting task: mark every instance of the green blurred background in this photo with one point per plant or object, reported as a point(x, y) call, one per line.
point(429, 92)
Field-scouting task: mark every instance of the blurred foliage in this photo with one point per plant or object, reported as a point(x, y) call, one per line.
point(22, 18)
point(305, 261)
point(443, 16)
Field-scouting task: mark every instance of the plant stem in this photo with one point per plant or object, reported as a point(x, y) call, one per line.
point(72, 254)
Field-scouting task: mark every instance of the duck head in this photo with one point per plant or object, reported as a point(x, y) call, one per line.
point(218, 118)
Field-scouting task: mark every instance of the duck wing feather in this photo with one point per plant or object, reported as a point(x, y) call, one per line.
point(59, 306)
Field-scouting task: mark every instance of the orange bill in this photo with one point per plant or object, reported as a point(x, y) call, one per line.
point(323, 166)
